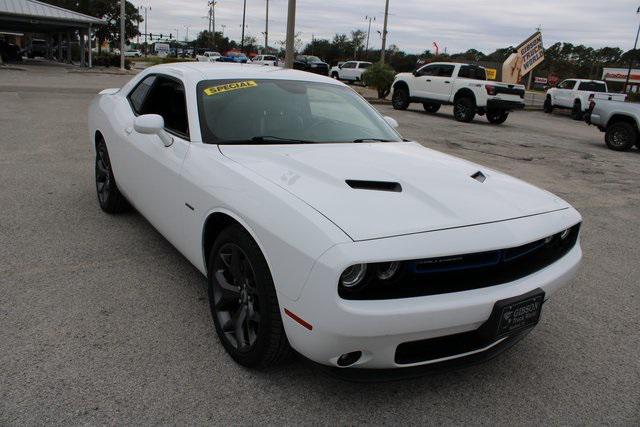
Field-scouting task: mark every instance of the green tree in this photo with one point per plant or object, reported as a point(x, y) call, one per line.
point(380, 76)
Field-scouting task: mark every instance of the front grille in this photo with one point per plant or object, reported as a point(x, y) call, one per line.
point(464, 272)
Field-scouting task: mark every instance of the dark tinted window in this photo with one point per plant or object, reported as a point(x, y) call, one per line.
point(365, 65)
point(593, 86)
point(567, 84)
point(429, 70)
point(471, 72)
point(167, 99)
point(139, 94)
point(349, 65)
point(446, 70)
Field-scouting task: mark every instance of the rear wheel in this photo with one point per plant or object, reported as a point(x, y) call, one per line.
point(400, 99)
point(621, 136)
point(464, 109)
point(497, 117)
point(548, 105)
point(335, 75)
point(109, 196)
point(243, 301)
point(576, 111)
point(431, 107)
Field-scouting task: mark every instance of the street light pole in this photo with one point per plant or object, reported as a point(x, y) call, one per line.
point(266, 29)
point(244, 15)
point(122, 35)
point(635, 47)
point(368, 33)
point(384, 31)
point(291, 34)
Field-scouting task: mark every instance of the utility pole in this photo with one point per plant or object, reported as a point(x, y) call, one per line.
point(244, 15)
point(266, 29)
point(186, 37)
point(384, 31)
point(212, 19)
point(370, 18)
point(635, 47)
point(122, 35)
point(145, 28)
point(291, 34)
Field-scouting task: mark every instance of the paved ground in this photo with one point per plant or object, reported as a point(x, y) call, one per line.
point(102, 321)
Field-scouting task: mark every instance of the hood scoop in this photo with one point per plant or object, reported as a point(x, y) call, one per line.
point(393, 187)
point(479, 176)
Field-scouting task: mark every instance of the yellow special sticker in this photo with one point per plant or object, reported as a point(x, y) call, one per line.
point(214, 90)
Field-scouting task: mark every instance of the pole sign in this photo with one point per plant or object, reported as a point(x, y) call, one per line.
point(620, 75)
point(527, 56)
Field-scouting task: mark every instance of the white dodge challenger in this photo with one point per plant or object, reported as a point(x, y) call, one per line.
point(319, 228)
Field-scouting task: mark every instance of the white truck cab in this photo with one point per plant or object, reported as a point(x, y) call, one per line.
point(576, 94)
point(265, 60)
point(464, 86)
point(350, 70)
point(208, 57)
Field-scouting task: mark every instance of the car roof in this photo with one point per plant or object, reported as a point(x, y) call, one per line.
point(198, 71)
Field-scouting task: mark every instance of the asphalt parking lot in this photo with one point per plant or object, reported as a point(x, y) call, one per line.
point(102, 321)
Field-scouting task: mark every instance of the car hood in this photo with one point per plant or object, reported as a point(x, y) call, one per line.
point(436, 191)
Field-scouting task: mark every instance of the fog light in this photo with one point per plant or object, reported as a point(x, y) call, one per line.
point(349, 359)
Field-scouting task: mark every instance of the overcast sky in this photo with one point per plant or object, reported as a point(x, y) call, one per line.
point(414, 25)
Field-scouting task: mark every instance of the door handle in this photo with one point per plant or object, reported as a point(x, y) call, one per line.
point(447, 82)
point(428, 80)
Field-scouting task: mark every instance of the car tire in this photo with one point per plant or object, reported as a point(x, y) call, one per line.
point(621, 136)
point(335, 75)
point(243, 301)
point(497, 117)
point(431, 107)
point(548, 105)
point(400, 99)
point(464, 109)
point(576, 111)
point(109, 196)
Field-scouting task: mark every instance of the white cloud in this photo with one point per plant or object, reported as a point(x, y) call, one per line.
point(414, 24)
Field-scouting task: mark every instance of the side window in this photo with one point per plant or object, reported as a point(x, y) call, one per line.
point(429, 70)
point(349, 65)
point(364, 65)
point(446, 70)
point(567, 84)
point(139, 94)
point(167, 98)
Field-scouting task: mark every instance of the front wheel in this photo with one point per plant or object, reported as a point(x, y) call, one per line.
point(431, 107)
point(621, 136)
point(464, 109)
point(400, 99)
point(335, 75)
point(243, 301)
point(548, 105)
point(497, 117)
point(109, 196)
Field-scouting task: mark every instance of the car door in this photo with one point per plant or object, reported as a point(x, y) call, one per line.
point(362, 66)
point(347, 72)
point(423, 78)
point(563, 93)
point(155, 176)
point(440, 86)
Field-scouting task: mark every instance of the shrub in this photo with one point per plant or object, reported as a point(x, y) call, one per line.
point(109, 60)
point(380, 76)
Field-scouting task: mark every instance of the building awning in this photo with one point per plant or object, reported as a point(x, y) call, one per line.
point(38, 17)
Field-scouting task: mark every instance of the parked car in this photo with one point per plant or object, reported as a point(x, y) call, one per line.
point(319, 228)
point(9, 52)
point(36, 48)
point(463, 85)
point(312, 64)
point(574, 94)
point(133, 53)
point(620, 121)
point(209, 56)
point(265, 60)
point(237, 57)
point(350, 70)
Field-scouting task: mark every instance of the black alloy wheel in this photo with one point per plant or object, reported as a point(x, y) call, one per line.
point(431, 107)
point(243, 301)
point(621, 136)
point(497, 117)
point(464, 109)
point(109, 196)
point(548, 105)
point(400, 99)
point(576, 111)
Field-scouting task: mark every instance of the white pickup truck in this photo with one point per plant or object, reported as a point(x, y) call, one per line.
point(620, 121)
point(208, 57)
point(463, 85)
point(575, 94)
point(349, 71)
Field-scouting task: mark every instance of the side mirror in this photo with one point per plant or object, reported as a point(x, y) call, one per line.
point(340, 66)
point(152, 124)
point(391, 121)
point(415, 73)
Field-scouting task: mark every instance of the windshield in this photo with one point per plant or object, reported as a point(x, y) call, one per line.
point(311, 59)
point(283, 111)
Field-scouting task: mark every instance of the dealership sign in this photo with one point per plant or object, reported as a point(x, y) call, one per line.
point(524, 59)
point(620, 75)
point(540, 80)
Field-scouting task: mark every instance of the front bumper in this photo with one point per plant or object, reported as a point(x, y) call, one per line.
point(501, 104)
point(377, 328)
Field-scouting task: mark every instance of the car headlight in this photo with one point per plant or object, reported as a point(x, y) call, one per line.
point(387, 270)
point(314, 65)
point(353, 276)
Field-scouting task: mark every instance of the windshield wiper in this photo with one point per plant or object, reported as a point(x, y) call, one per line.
point(371, 140)
point(277, 139)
